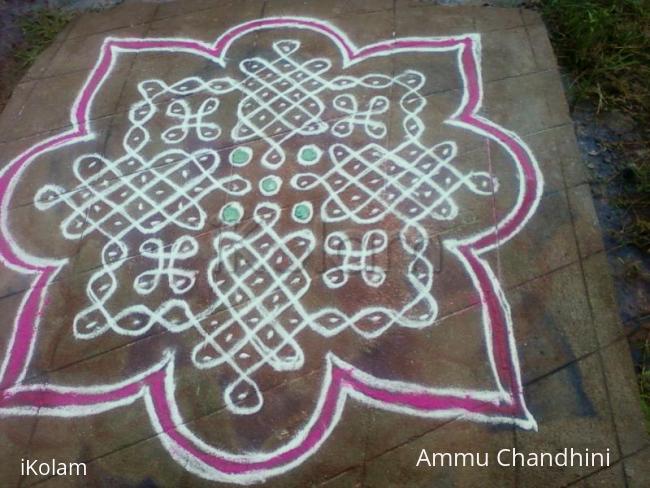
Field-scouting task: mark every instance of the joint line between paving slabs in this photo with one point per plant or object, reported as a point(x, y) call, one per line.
point(162, 425)
point(29, 442)
point(592, 316)
point(620, 461)
point(119, 111)
point(185, 422)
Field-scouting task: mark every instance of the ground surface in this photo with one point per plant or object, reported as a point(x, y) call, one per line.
point(311, 264)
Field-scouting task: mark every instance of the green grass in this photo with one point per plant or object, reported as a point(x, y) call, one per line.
point(644, 382)
point(39, 29)
point(605, 47)
point(635, 197)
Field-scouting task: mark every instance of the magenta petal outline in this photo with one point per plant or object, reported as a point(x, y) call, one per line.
point(341, 380)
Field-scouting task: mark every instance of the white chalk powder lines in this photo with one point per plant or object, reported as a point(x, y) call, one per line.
point(188, 120)
point(425, 172)
point(411, 181)
point(354, 260)
point(180, 280)
point(260, 278)
point(281, 97)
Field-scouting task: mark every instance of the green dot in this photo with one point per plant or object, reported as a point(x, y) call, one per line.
point(269, 185)
point(309, 154)
point(240, 156)
point(302, 211)
point(231, 214)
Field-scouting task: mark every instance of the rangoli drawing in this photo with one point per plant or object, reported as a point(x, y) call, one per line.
point(351, 147)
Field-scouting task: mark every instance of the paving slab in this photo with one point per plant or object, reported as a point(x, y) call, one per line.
point(302, 244)
point(636, 468)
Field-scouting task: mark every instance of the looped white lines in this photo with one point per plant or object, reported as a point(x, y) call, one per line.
point(244, 296)
point(281, 99)
point(181, 110)
point(260, 278)
point(370, 322)
point(136, 194)
point(348, 104)
point(356, 260)
point(411, 181)
point(113, 201)
point(180, 280)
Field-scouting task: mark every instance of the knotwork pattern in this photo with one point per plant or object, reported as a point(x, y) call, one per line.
point(188, 120)
point(136, 195)
point(339, 244)
point(348, 104)
point(411, 181)
point(260, 279)
point(180, 280)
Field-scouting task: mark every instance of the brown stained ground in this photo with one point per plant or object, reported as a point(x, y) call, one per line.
point(554, 272)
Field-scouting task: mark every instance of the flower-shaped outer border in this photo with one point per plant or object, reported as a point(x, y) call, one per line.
point(155, 386)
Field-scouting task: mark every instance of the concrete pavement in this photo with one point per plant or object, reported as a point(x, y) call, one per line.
point(296, 243)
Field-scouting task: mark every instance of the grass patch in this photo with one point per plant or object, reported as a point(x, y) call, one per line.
point(644, 382)
point(605, 47)
point(634, 177)
point(39, 28)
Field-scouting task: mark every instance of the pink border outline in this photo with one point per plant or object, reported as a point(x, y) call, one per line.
point(156, 385)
